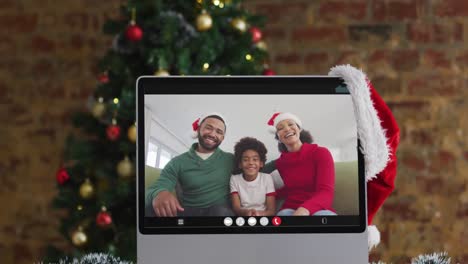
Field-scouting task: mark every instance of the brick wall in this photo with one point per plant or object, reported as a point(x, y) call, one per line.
point(415, 52)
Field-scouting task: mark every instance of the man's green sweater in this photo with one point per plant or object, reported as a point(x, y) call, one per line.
point(204, 183)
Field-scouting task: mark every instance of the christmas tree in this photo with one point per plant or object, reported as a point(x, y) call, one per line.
point(96, 181)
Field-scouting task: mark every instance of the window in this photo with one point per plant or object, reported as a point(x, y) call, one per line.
point(158, 155)
point(152, 155)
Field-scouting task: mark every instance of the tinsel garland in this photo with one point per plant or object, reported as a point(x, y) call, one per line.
point(94, 258)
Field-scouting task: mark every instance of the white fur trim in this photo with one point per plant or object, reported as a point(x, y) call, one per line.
point(284, 116)
point(373, 237)
point(371, 134)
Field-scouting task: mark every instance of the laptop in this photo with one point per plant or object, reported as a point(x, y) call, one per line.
point(188, 130)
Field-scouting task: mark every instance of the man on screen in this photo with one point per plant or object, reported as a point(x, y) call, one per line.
point(203, 174)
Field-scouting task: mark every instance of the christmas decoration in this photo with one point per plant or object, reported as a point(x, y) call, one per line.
point(134, 33)
point(434, 258)
point(268, 72)
point(256, 34)
point(103, 218)
point(132, 133)
point(99, 108)
point(103, 77)
point(113, 131)
point(79, 238)
point(167, 37)
point(87, 190)
point(204, 21)
point(379, 136)
point(125, 168)
point(261, 45)
point(161, 72)
point(62, 176)
point(239, 24)
point(93, 258)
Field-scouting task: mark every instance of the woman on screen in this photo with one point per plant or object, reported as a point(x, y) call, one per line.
point(307, 169)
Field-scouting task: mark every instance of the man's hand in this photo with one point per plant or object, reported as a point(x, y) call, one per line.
point(165, 204)
point(301, 211)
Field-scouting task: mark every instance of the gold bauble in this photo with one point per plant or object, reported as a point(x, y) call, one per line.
point(161, 72)
point(86, 190)
point(132, 133)
point(98, 109)
point(261, 45)
point(125, 168)
point(239, 24)
point(204, 21)
point(79, 238)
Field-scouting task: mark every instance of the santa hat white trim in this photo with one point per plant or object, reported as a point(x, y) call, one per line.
point(274, 120)
point(373, 236)
point(198, 121)
point(371, 134)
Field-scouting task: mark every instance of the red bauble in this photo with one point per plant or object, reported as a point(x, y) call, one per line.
point(113, 132)
point(103, 78)
point(103, 219)
point(269, 72)
point(134, 33)
point(62, 176)
point(256, 34)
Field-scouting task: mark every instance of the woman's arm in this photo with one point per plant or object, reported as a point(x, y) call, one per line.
point(322, 198)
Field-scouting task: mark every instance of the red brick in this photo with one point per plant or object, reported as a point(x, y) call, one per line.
point(79, 20)
point(436, 33)
point(18, 23)
point(319, 34)
point(451, 8)
point(434, 58)
point(278, 12)
point(414, 162)
point(435, 84)
point(405, 60)
point(316, 57)
point(462, 59)
point(336, 10)
point(289, 58)
point(42, 68)
point(395, 10)
point(407, 105)
point(379, 56)
point(77, 41)
point(443, 161)
point(42, 44)
point(274, 33)
point(4, 4)
point(7, 45)
point(349, 57)
point(421, 137)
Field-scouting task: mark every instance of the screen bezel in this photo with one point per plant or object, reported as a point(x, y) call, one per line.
point(239, 85)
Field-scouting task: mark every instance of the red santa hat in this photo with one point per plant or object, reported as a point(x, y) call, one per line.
point(196, 124)
point(278, 117)
point(379, 135)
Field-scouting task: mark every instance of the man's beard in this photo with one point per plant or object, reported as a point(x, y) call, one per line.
point(201, 141)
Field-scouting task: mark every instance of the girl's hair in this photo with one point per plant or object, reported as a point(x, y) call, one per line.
point(304, 137)
point(244, 144)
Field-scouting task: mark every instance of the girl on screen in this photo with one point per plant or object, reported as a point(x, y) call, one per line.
point(252, 192)
point(307, 169)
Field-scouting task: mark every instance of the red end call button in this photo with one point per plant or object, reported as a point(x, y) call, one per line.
point(276, 221)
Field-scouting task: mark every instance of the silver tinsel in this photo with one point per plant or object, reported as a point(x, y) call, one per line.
point(95, 258)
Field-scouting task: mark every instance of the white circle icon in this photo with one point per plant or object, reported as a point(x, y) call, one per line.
point(252, 221)
point(240, 221)
point(264, 221)
point(228, 221)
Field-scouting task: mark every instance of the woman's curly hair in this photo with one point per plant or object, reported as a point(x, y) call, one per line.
point(244, 144)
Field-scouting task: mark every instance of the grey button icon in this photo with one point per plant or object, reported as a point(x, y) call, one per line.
point(240, 221)
point(324, 220)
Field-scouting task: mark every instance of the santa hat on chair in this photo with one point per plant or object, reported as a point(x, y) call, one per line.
point(379, 135)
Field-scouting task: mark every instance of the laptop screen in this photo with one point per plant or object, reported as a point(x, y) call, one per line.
point(220, 155)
